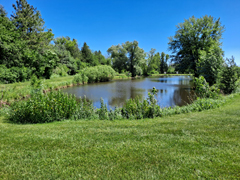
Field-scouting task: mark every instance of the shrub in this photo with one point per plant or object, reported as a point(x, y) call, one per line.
point(100, 73)
point(14, 74)
point(203, 90)
point(77, 79)
point(228, 81)
point(137, 109)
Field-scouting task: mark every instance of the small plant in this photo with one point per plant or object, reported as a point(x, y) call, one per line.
point(103, 111)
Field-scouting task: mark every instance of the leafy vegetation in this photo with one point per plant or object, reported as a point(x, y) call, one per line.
point(100, 73)
point(203, 90)
point(228, 82)
point(195, 44)
point(57, 106)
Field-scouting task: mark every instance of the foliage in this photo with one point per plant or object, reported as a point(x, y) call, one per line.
point(228, 81)
point(194, 36)
point(49, 107)
point(65, 57)
point(119, 58)
point(128, 56)
point(163, 64)
point(152, 63)
point(103, 111)
point(24, 43)
point(171, 70)
point(87, 56)
point(203, 90)
point(100, 73)
point(210, 64)
point(70, 45)
point(14, 74)
point(60, 71)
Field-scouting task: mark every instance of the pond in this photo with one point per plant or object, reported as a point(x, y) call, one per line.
point(171, 91)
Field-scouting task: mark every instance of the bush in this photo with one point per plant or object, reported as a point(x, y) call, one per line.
point(14, 74)
point(203, 90)
point(49, 107)
point(100, 73)
point(60, 71)
point(228, 81)
point(77, 79)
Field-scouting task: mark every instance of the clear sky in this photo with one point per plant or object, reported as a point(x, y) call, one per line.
point(103, 23)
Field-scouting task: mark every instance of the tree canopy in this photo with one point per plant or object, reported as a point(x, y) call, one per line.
point(128, 55)
point(194, 37)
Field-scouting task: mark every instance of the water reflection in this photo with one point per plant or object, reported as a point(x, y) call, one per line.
point(171, 91)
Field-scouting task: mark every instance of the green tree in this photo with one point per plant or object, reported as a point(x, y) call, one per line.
point(129, 56)
point(136, 57)
point(65, 58)
point(119, 58)
point(153, 61)
point(34, 51)
point(192, 37)
point(30, 25)
point(87, 55)
point(210, 64)
point(229, 76)
point(10, 43)
point(100, 58)
point(70, 45)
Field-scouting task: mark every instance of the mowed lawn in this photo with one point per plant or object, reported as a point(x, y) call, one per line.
point(201, 145)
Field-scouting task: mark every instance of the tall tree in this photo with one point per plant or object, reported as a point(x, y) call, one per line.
point(87, 55)
point(8, 36)
point(153, 61)
point(119, 58)
point(35, 53)
point(129, 55)
point(70, 45)
point(100, 58)
point(30, 25)
point(192, 37)
point(162, 62)
point(136, 57)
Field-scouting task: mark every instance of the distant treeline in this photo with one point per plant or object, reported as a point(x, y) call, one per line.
point(27, 48)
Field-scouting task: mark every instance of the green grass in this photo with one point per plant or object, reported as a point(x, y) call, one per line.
point(203, 145)
point(18, 91)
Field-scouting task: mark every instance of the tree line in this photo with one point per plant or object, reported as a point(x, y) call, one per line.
point(27, 48)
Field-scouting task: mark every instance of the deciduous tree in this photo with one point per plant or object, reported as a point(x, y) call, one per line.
point(192, 37)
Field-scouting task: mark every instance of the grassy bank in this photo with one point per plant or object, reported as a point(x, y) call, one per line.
point(21, 90)
point(201, 145)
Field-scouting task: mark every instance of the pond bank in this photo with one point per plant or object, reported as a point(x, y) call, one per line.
point(18, 91)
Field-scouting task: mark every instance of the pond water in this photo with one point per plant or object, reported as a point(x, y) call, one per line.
point(171, 91)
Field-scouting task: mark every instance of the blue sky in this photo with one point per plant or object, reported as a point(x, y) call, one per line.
point(103, 23)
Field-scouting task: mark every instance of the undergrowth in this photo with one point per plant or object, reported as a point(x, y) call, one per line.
point(57, 106)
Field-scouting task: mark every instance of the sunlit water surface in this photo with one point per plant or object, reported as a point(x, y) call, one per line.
point(172, 91)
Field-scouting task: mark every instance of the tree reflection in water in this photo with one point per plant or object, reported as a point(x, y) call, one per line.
point(171, 91)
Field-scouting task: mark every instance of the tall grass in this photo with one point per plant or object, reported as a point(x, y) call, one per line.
point(57, 106)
